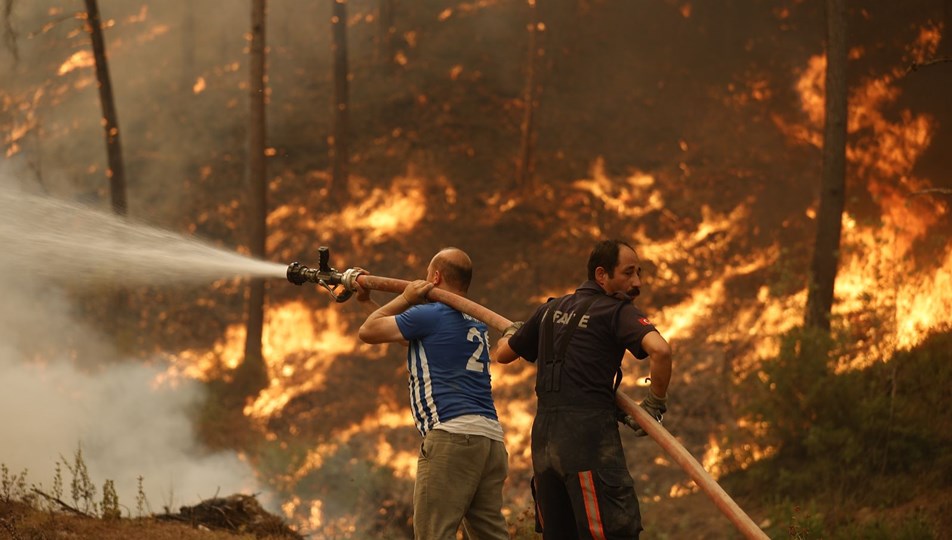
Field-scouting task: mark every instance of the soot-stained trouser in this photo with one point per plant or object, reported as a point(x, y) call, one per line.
point(581, 483)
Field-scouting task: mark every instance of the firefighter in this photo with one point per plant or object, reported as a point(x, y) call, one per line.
point(581, 482)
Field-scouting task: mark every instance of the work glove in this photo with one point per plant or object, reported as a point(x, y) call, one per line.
point(512, 329)
point(654, 405)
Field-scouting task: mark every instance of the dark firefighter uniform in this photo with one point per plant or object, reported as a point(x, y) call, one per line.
point(581, 481)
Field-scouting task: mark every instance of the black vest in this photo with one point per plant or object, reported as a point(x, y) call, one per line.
point(579, 363)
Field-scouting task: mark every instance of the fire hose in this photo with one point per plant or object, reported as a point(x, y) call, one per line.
point(341, 285)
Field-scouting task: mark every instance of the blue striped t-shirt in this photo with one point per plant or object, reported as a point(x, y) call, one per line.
point(448, 362)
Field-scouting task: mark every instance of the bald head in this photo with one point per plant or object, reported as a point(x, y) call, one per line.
point(455, 268)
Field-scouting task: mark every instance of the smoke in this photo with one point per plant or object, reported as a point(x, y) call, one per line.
point(127, 425)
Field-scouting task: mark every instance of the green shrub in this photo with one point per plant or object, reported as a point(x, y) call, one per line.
point(913, 528)
point(13, 488)
point(859, 438)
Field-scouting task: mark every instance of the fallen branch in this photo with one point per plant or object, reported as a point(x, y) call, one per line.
point(916, 66)
point(235, 513)
point(62, 504)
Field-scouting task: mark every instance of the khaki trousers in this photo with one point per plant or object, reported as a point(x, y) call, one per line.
point(459, 478)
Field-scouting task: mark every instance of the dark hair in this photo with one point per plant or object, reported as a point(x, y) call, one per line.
point(456, 274)
point(605, 254)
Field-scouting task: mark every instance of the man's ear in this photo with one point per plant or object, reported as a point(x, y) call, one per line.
point(601, 275)
point(437, 278)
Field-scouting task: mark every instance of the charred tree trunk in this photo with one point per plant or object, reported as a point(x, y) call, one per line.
point(385, 49)
point(9, 34)
point(833, 182)
point(252, 375)
point(116, 172)
point(525, 176)
point(188, 47)
point(945, 46)
point(340, 139)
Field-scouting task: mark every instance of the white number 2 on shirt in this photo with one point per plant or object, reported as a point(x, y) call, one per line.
point(475, 362)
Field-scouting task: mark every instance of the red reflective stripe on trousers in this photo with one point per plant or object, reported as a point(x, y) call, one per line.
point(591, 505)
point(538, 508)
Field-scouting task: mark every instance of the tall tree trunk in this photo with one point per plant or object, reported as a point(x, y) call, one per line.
point(833, 182)
point(525, 176)
point(116, 172)
point(385, 49)
point(188, 47)
point(945, 46)
point(9, 33)
point(252, 375)
point(340, 138)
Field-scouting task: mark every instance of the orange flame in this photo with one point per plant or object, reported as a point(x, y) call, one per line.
point(78, 60)
point(298, 345)
point(295, 330)
point(883, 152)
point(403, 462)
point(625, 199)
point(379, 215)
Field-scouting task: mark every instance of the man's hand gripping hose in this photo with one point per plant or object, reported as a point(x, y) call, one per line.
point(642, 414)
point(653, 405)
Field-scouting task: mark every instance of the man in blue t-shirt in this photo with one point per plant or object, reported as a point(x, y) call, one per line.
point(463, 461)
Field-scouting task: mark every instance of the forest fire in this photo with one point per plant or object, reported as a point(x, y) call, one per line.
point(379, 214)
point(883, 155)
point(622, 197)
point(384, 213)
point(402, 461)
point(299, 344)
point(704, 152)
point(294, 331)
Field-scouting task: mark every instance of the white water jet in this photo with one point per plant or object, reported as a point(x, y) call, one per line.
point(54, 239)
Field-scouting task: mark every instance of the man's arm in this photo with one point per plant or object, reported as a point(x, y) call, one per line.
point(655, 403)
point(381, 325)
point(659, 357)
point(502, 353)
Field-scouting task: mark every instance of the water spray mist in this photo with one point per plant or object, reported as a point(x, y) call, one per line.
point(57, 240)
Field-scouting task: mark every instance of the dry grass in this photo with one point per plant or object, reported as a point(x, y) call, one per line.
point(19, 521)
point(30, 513)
